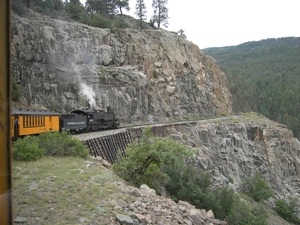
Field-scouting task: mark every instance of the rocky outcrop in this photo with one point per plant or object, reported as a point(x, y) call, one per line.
point(148, 208)
point(236, 148)
point(147, 75)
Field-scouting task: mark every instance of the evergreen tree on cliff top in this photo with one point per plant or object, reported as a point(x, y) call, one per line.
point(123, 4)
point(160, 13)
point(74, 8)
point(140, 11)
point(102, 7)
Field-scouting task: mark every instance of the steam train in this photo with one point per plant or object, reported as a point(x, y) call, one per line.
point(31, 122)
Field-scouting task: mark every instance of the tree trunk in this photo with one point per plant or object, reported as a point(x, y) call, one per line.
point(28, 4)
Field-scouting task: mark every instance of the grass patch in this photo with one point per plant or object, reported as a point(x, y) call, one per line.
point(217, 122)
point(102, 69)
point(61, 190)
point(235, 120)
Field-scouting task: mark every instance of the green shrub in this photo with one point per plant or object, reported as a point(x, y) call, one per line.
point(224, 202)
point(51, 144)
point(39, 9)
point(61, 144)
point(146, 161)
point(97, 20)
point(288, 211)
point(257, 188)
point(120, 23)
point(188, 184)
point(230, 179)
point(46, 11)
point(54, 14)
point(74, 9)
point(27, 149)
point(84, 18)
point(241, 214)
point(155, 74)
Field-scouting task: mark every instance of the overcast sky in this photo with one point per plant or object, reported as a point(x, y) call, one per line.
point(218, 23)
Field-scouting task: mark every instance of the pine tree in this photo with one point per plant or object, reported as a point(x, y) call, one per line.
point(160, 12)
point(94, 6)
point(58, 5)
point(75, 9)
point(181, 33)
point(123, 4)
point(102, 7)
point(110, 7)
point(140, 11)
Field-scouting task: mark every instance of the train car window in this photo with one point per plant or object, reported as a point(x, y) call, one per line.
point(43, 121)
point(26, 121)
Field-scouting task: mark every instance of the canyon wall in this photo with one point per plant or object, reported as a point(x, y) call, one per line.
point(144, 75)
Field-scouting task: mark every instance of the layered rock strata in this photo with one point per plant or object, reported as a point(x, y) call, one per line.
point(236, 148)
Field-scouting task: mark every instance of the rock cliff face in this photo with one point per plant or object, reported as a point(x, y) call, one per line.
point(235, 149)
point(147, 75)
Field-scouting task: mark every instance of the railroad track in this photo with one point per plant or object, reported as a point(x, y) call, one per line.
point(111, 144)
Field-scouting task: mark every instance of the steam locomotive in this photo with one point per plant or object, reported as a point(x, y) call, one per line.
point(88, 120)
point(31, 122)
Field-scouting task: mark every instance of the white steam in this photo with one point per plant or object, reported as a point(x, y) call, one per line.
point(89, 93)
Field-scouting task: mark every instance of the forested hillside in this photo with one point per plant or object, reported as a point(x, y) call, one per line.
point(264, 76)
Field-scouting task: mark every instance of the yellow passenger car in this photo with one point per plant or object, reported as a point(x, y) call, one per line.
point(29, 122)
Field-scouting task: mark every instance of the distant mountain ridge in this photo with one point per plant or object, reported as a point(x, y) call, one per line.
point(264, 77)
point(266, 45)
